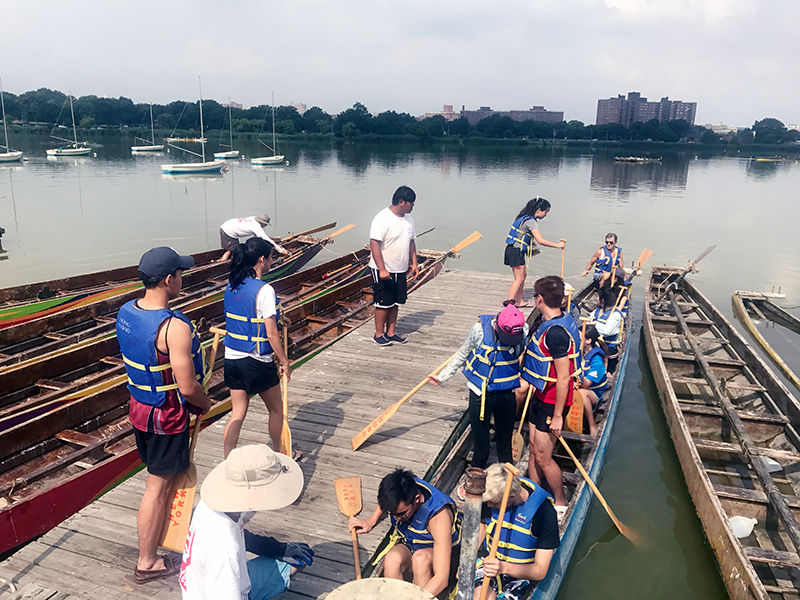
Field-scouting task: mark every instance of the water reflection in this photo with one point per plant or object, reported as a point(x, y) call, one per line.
point(765, 169)
point(623, 177)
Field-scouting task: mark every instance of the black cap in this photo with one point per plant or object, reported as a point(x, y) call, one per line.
point(162, 261)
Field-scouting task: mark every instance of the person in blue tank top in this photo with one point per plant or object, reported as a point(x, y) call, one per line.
point(521, 244)
point(605, 260)
point(253, 341)
point(160, 350)
point(528, 539)
point(426, 531)
point(594, 378)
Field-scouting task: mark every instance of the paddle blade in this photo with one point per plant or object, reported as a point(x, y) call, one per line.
point(176, 525)
point(643, 258)
point(348, 494)
point(364, 434)
point(574, 420)
point(340, 231)
point(473, 237)
point(286, 434)
point(705, 253)
point(517, 446)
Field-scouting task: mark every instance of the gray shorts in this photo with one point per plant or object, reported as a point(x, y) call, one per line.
point(227, 242)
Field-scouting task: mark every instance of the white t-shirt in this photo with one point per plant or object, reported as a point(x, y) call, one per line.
point(246, 227)
point(214, 564)
point(395, 234)
point(265, 308)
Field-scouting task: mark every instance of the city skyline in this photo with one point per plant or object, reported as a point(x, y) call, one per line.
point(731, 57)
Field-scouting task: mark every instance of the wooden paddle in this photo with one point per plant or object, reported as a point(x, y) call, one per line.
point(308, 232)
point(623, 529)
point(179, 510)
point(613, 266)
point(574, 419)
point(365, 433)
point(512, 472)
point(569, 302)
point(562, 258)
point(286, 434)
point(517, 441)
point(348, 494)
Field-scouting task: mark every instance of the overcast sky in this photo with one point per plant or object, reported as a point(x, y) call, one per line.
point(735, 58)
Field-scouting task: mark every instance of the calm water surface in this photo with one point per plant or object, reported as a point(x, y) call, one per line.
point(69, 216)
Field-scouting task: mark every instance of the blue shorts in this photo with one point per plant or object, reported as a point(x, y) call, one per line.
point(268, 577)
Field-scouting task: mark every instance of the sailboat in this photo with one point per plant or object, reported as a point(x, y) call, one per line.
point(152, 147)
point(9, 155)
point(215, 166)
point(74, 149)
point(275, 159)
point(230, 153)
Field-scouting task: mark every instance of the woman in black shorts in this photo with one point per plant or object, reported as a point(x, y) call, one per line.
point(521, 244)
point(253, 342)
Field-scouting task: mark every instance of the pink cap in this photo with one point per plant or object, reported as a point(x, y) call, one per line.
point(509, 325)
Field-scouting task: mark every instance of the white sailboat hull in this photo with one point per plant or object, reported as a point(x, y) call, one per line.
point(10, 156)
point(267, 160)
point(69, 152)
point(228, 154)
point(153, 148)
point(204, 167)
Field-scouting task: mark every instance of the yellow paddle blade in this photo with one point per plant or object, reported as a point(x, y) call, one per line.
point(176, 525)
point(286, 434)
point(340, 231)
point(308, 232)
point(473, 237)
point(348, 494)
point(646, 254)
point(574, 420)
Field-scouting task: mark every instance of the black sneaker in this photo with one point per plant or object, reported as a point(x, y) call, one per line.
point(396, 339)
point(382, 341)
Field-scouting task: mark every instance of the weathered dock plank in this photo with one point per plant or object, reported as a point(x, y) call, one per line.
point(332, 397)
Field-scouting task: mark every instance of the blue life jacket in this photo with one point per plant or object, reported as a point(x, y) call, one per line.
point(516, 235)
point(600, 386)
point(517, 541)
point(414, 533)
point(538, 368)
point(493, 366)
point(611, 340)
point(603, 264)
point(246, 332)
point(137, 330)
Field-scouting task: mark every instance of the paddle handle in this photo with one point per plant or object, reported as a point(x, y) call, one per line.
point(525, 410)
point(356, 558)
point(198, 420)
point(512, 471)
point(569, 302)
point(562, 258)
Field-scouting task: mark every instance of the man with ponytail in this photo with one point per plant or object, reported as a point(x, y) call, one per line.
point(252, 319)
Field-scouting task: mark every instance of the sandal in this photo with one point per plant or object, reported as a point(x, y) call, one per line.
point(461, 491)
point(297, 455)
point(525, 305)
point(171, 567)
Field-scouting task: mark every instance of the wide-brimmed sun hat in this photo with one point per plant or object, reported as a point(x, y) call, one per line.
point(263, 219)
point(252, 478)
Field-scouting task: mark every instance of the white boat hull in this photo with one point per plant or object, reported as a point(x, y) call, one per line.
point(69, 152)
point(228, 154)
point(206, 167)
point(267, 160)
point(153, 148)
point(10, 156)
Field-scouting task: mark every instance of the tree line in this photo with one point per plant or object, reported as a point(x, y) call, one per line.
point(44, 106)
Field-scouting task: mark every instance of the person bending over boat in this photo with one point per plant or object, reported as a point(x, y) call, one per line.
point(607, 318)
point(605, 259)
point(490, 356)
point(594, 380)
point(552, 366)
point(232, 230)
point(393, 250)
point(528, 539)
point(426, 531)
point(165, 369)
point(253, 341)
point(521, 244)
point(215, 564)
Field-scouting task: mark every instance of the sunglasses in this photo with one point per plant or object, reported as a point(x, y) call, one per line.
point(610, 243)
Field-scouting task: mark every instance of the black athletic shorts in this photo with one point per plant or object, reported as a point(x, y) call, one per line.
point(389, 292)
point(539, 412)
point(227, 242)
point(163, 454)
point(251, 375)
point(513, 257)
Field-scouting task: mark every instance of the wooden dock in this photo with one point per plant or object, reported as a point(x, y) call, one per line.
point(331, 398)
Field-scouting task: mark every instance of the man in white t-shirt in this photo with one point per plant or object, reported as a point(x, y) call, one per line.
point(232, 230)
point(214, 564)
point(392, 245)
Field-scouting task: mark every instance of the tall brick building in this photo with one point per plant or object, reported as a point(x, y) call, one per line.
point(635, 109)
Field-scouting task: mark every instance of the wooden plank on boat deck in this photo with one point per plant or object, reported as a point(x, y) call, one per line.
point(331, 398)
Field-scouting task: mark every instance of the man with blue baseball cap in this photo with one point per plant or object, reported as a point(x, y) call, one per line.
point(165, 369)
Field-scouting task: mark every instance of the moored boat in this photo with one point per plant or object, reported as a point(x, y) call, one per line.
point(733, 424)
point(74, 149)
point(151, 143)
point(9, 155)
point(754, 308)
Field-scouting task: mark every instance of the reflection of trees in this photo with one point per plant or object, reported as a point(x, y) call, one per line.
point(355, 157)
point(762, 170)
point(609, 174)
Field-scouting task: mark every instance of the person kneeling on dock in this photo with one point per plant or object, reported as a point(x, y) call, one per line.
point(491, 356)
point(528, 539)
point(215, 565)
point(426, 531)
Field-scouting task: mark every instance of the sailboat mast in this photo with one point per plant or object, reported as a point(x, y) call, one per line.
point(72, 112)
point(152, 130)
point(5, 127)
point(274, 147)
point(202, 140)
point(230, 119)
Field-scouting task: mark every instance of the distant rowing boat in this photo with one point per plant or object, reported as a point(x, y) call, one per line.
point(637, 159)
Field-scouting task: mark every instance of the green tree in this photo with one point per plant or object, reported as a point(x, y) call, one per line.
point(709, 137)
point(87, 122)
point(769, 131)
point(358, 115)
point(313, 117)
point(391, 123)
point(349, 130)
point(459, 126)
